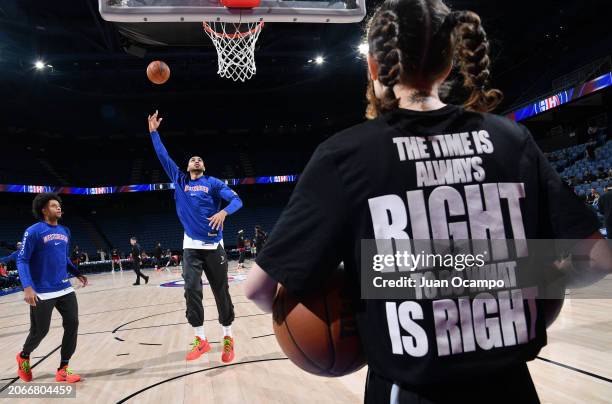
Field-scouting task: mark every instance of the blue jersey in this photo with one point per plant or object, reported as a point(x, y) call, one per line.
point(9, 258)
point(196, 200)
point(43, 261)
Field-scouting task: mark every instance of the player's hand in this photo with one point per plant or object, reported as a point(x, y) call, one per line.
point(216, 220)
point(29, 296)
point(83, 280)
point(154, 122)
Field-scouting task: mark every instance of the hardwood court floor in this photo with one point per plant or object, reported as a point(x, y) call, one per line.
point(132, 342)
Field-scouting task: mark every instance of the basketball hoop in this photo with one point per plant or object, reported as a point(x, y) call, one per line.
point(235, 42)
point(233, 25)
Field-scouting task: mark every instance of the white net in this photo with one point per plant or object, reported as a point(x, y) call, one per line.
point(235, 44)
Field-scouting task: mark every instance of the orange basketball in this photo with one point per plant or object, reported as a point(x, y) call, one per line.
point(158, 72)
point(318, 333)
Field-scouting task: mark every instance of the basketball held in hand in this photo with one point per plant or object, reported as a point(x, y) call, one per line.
point(318, 332)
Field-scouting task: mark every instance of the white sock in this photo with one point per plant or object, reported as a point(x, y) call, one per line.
point(199, 332)
point(227, 331)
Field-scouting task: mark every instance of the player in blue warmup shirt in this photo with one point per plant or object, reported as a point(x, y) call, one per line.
point(44, 267)
point(198, 206)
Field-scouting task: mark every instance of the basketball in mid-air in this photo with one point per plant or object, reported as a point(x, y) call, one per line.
point(158, 72)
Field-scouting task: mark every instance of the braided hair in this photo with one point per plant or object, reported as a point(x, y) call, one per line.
point(384, 35)
point(415, 41)
point(472, 56)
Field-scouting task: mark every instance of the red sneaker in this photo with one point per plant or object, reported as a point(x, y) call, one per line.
point(23, 368)
point(66, 374)
point(228, 349)
point(199, 348)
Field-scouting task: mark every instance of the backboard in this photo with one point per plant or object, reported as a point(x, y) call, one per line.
point(296, 11)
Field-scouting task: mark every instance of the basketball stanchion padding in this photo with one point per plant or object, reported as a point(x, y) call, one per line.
point(241, 3)
point(318, 332)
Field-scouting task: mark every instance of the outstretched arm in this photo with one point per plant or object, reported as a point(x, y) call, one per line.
point(592, 261)
point(9, 258)
point(167, 163)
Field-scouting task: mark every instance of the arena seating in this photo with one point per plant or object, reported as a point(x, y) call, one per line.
point(14, 224)
point(98, 223)
point(576, 171)
point(166, 228)
point(140, 166)
point(32, 172)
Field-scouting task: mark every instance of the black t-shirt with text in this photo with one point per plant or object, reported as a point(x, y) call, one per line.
point(424, 172)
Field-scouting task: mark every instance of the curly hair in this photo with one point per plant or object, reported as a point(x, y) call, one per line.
point(40, 202)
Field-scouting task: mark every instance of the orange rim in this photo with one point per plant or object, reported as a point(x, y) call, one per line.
point(252, 31)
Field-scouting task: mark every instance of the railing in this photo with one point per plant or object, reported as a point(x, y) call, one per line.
point(585, 73)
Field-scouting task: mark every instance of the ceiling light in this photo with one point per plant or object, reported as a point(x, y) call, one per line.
point(364, 48)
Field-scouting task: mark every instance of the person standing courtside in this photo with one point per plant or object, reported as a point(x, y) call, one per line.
point(260, 239)
point(605, 208)
point(13, 256)
point(240, 246)
point(136, 254)
point(198, 206)
point(158, 253)
point(115, 260)
point(43, 264)
point(373, 181)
